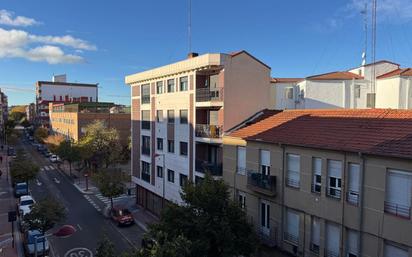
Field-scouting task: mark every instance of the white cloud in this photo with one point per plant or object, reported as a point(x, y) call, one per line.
point(391, 11)
point(6, 18)
point(64, 40)
point(51, 54)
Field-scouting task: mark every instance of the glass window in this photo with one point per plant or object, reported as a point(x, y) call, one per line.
point(293, 171)
point(170, 85)
point(241, 160)
point(160, 171)
point(183, 148)
point(265, 162)
point(398, 193)
point(159, 87)
point(315, 235)
point(171, 146)
point(145, 119)
point(317, 174)
point(292, 227)
point(170, 176)
point(160, 144)
point(332, 239)
point(241, 199)
point(353, 185)
point(159, 116)
point(145, 145)
point(183, 83)
point(357, 91)
point(170, 116)
point(183, 180)
point(146, 171)
point(334, 178)
point(145, 94)
point(183, 116)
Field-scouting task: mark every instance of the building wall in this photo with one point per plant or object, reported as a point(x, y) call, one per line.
point(387, 93)
point(378, 227)
point(48, 91)
point(278, 97)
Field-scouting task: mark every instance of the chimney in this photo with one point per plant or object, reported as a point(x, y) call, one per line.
point(192, 55)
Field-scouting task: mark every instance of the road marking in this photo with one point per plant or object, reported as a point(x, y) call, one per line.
point(51, 167)
point(56, 180)
point(38, 182)
point(78, 225)
point(46, 167)
point(41, 169)
point(3, 192)
point(79, 252)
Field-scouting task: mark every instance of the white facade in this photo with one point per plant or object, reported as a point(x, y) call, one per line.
point(394, 92)
point(58, 91)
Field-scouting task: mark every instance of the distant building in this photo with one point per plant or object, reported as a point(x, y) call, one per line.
point(180, 112)
point(325, 182)
point(4, 114)
point(352, 89)
point(31, 112)
point(60, 91)
point(71, 119)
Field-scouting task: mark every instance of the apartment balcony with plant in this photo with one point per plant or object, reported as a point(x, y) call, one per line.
point(265, 184)
point(208, 88)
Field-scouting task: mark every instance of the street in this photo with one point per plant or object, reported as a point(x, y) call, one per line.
point(91, 225)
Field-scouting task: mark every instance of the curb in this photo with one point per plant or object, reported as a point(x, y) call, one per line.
point(83, 191)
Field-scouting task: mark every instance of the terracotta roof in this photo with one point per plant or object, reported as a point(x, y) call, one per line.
point(385, 132)
point(285, 80)
point(260, 115)
point(398, 72)
point(336, 75)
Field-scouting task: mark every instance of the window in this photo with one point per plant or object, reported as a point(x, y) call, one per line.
point(334, 178)
point(146, 171)
point(292, 227)
point(317, 175)
point(265, 217)
point(160, 144)
point(145, 119)
point(159, 116)
point(352, 243)
point(265, 162)
point(332, 239)
point(170, 176)
point(370, 100)
point(145, 94)
point(170, 116)
point(241, 196)
point(182, 180)
point(183, 148)
point(357, 91)
point(159, 87)
point(145, 145)
point(171, 146)
point(315, 235)
point(170, 85)
point(293, 171)
point(398, 193)
point(183, 84)
point(183, 116)
point(289, 92)
point(241, 160)
point(353, 185)
point(392, 251)
point(159, 171)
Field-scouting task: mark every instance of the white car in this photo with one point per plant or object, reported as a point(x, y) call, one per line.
point(25, 204)
point(54, 158)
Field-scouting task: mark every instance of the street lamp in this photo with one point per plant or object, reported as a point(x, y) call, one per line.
point(163, 175)
point(64, 231)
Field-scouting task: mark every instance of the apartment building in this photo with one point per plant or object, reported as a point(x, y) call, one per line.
point(71, 119)
point(30, 112)
point(345, 89)
point(60, 91)
point(4, 114)
point(181, 111)
point(325, 182)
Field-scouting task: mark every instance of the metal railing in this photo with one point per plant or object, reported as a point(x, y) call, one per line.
point(213, 168)
point(290, 238)
point(258, 180)
point(334, 192)
point(352, 197)
point(207, 94)
point(268, 239)
point(330, 253)
point(145, 99)
point(398, 209)
point(209, 131)
point(241, 170)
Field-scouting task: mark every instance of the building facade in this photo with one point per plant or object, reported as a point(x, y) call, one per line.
point(60, 91)
point(179, 114)
point(4, 115)
point(326, 182)
point(71, 119)
point(30, 112)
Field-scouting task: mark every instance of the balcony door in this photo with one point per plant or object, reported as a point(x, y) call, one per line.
point(265, 217)
point(265, 162)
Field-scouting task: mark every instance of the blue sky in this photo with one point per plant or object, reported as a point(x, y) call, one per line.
point(102, 41)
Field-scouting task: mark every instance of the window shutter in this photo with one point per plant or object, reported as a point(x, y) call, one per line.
point(315, 231)
point(333, 238)
point(335, 169)
point(353, 238)
point(294, 162)
point(293, 223)
point(317, 166)
point(392, 251)
point(354, 172)
point(241, 157)
point(265, 158)
point(398, 188)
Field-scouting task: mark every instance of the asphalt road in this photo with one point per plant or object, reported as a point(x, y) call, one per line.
point(90, 224)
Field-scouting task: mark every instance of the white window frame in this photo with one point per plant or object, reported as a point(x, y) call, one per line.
point(317, 174)
point(265, 217)
point(265, 162)
point(291, 234)
point(353, 183)
point(328, 248)
point(241, 197)
point(334, 190)
point(241, 160)
point(352, 239)
point(394, 204)
point(293, 173)
point(315, 235)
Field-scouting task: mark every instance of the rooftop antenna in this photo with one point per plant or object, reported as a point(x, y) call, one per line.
point(189, 29)
point(364, 12)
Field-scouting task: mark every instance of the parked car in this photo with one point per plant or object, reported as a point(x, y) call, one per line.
point(54, 158)
point(21, 189)
point(29, 242)
point(24, 205)
point(46, 153)
point(122, 216)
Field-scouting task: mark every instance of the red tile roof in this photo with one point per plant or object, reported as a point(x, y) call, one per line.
point(285, 80)
point(385, 132)
point(336, 75)
point(398, 72)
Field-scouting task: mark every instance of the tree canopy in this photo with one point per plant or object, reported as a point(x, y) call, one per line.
point(23, 169)
point(41, 134)
point(110, 183)
point(69, 152)
point(105, 248)
point(54, 141)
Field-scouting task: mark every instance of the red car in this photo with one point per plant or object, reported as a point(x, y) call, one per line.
point(122, 216)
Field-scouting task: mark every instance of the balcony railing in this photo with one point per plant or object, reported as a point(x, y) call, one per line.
point(208, 131)
point(330, 253)
point(263, 183)
point(334, 192)
point(145, 99)
point(398, 210)
point(290, 238)
point(215, 169)
point(314, 248)
point(352, 197)
point(207, 94)
point(268, 239)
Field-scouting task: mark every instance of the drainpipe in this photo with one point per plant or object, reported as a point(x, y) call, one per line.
point(360, 206)
point(343, 198)
point(283, 194)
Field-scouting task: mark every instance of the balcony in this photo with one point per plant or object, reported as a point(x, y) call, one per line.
point(264, 184)
point(399, 210)
point(268, 239)
point(209, 95)
point(293, 239)
point(208, 131)
point(215, 169)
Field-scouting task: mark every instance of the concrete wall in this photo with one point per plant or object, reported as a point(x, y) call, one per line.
point(278, 99)
point(48, 91)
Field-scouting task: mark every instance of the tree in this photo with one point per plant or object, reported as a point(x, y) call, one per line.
point(41, 134)
point(208, 224)
point(100, 145)
point(44, 215)
point(25, 123)
point(69, 152)
point(54, 141)
point(23, 169)
point(105, 248)
point(110, 183)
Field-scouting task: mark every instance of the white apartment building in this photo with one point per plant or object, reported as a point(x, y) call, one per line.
point(181, 111)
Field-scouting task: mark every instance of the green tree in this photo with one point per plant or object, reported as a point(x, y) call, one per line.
point(23, 169)
point(105, 248)
point(100, 145)
point(25, 123)
point(110, 183)
point(41, 134)
point(208, 224)
point(69, 152)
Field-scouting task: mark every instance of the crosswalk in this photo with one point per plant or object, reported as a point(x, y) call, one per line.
point(92, 203)
point(106, 200)
point(47, 168)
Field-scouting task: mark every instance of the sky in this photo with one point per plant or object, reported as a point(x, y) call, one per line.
point(97, 41)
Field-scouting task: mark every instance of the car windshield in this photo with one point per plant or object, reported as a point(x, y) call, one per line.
point(124, 212)
point(21, 186)
point(31, 238)
point(26, 202)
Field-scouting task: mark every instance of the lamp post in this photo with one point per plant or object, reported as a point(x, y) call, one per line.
point(163, 176)
point(63, 232)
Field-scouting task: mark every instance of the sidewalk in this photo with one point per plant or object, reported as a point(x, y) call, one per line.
point(7, 203)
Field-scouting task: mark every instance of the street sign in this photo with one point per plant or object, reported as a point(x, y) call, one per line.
point(12, 216)
point(79, 252)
